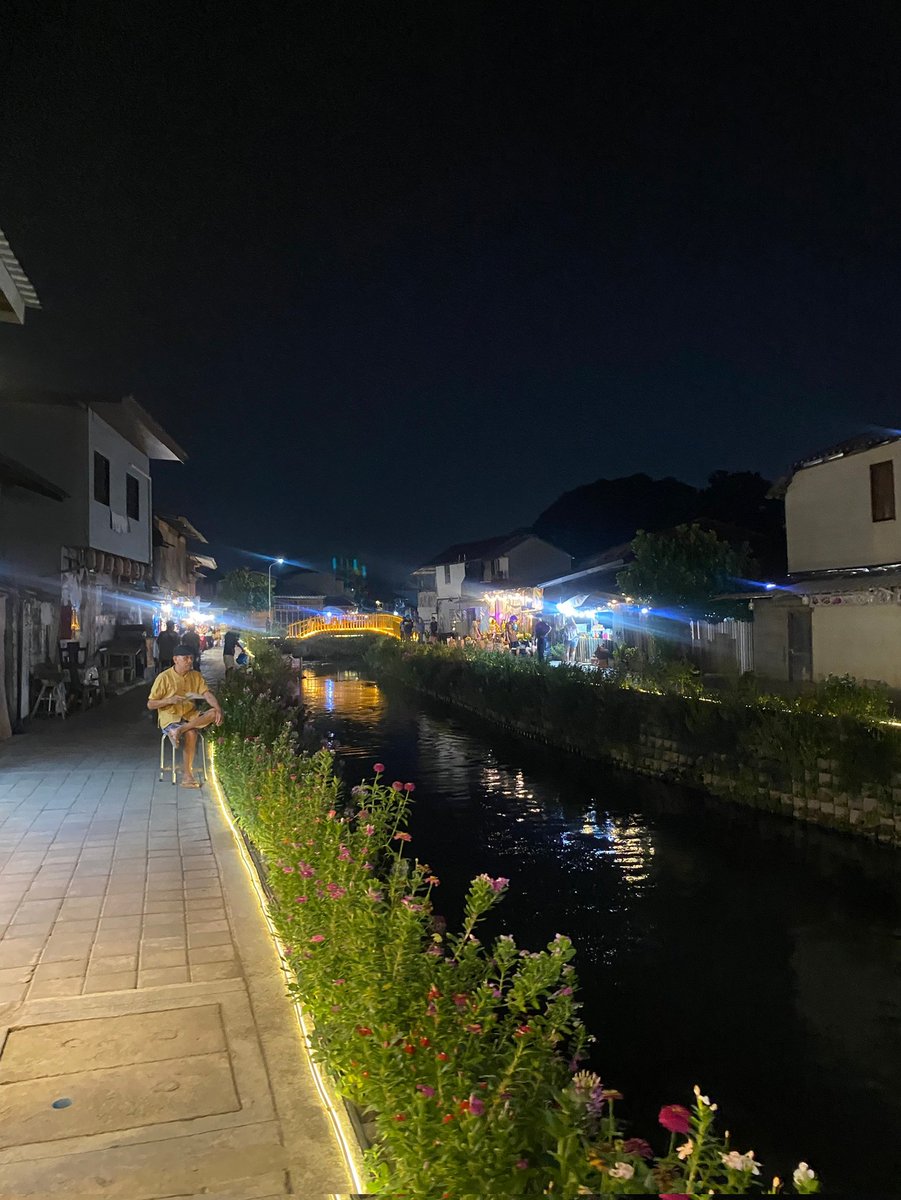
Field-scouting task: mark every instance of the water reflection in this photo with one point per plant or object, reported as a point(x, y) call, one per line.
point(715, 944)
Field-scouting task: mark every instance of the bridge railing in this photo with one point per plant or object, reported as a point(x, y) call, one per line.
point(350, 623)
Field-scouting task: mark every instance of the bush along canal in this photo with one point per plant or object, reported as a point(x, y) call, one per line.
point(711, 950)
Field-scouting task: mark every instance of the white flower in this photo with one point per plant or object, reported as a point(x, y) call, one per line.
point(586, 1081)
point(685, 1149)
point(740, 1162)
point(803, 1174)
point(622, 1171)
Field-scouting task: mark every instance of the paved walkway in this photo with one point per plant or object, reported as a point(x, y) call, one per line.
point(147, 1048)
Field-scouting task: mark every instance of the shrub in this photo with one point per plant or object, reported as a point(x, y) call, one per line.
point(466, 1056)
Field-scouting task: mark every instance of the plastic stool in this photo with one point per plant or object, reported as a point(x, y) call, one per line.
point(166, 741)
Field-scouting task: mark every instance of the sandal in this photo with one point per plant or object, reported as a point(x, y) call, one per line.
point(191, 782)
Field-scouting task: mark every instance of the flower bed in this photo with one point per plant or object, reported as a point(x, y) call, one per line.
point(466, 1057)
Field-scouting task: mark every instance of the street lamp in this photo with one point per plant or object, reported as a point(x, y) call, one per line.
point(277, 562)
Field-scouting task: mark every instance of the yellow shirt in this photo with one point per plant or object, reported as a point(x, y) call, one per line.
point(170, 683)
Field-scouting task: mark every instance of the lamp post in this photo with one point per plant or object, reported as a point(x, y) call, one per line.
point(276, 562)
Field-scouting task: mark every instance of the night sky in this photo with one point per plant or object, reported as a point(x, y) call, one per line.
point(396, 275)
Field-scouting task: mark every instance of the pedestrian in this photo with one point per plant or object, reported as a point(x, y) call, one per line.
point(419, 627)
point(172, 698)
point(191, 638)
point(166, 642)
point(406, 627)
point(231, 648)
point(571, 640)
point(542, 630)
point(433, 629)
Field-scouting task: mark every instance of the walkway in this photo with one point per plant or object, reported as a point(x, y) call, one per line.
point(139, 987)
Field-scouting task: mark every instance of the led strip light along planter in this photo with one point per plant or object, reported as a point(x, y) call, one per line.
point(340, 1123)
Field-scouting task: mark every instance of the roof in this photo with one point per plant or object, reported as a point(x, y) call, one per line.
point(184, 527)
point(486, 548)
point(123, 413)
point(24, 295)
point(16, 474)
point(204, 560)
point(853, 445)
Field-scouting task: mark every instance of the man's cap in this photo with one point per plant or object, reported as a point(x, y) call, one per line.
point(183, 651)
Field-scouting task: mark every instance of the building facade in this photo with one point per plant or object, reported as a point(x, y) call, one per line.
point(840, 613)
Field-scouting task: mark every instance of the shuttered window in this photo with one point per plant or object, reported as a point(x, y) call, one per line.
point(882, 491)
point(132, 498)
point(101, 478)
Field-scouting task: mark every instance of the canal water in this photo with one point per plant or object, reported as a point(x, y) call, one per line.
point(715, 945)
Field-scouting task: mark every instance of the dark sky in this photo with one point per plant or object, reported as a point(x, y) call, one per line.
point(397, 274)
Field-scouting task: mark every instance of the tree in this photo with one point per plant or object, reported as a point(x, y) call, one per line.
point(684, 569)
point(244, 590)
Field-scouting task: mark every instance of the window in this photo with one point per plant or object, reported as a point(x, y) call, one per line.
point(101, 479)
point(447, 572)
point(133, 497)
point(882, 491)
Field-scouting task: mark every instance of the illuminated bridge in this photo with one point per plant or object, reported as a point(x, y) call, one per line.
point(385, 623)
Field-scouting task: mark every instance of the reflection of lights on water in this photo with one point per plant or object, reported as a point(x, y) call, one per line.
point(510, 784)
point(621, 839)
point(345, 693)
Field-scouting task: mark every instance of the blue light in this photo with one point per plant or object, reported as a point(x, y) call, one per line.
point(769, 586)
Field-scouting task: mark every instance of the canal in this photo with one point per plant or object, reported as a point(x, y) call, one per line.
point(716, 945)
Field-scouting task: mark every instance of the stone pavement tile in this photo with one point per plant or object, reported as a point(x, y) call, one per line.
point(39, 929)
point(157, 976)
point(60, 970)
point(19, 953)
point(10, 975)
point(117, 981)
point(247, 1162)
point(92, 886)
point(80, 907)
point(69, 946)
point(206, 926)
point(128, 923)
point(118, 944)
point(78, 925)
point(209, 954)
point(162, 943)
point(157, 907)
point(51, 989)
point(124, 906)
point(151, 959)
point(109, 963)
point(203, 972)
point(11, 993)
point(218, 938)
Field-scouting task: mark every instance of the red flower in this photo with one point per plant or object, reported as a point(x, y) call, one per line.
point(441, 1056)
point(364, 1031)
point(409, 787)
point(424, 1041)
point(522, 1030)
point(408, 1049)
point(397, 786)
point(675, 1118)
point(379, 768)
point(446, 1118)
point(400, 1116)
point(434, 994)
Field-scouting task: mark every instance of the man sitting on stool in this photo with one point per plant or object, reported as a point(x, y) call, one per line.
point(172, 695)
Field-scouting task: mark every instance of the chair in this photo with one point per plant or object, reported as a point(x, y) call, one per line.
point(53, 691)
point(165, 741)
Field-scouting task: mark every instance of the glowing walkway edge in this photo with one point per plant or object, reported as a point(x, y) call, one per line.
point(341, 1127)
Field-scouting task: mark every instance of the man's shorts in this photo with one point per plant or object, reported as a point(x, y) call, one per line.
point(170, 729)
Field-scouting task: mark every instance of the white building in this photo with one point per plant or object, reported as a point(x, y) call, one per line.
point(453, 584)
point(841, 611)
point(82, 565)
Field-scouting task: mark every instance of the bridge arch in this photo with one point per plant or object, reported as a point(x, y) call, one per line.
point(385, 623)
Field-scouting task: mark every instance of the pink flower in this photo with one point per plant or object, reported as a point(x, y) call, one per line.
point(379, 768)
point(288, 870)
point(369, 830)
point(476, 1105)
point(427, 1091)
point(522, 1164)
point(300, 900)
point(409, 787)
point(343, 854)
point(317, 937)
point(374, 895)
point(432, 880)
point(337, 982)
point(403, 837)
point(397, 786)
point(675, 1118)
point(331, 814)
